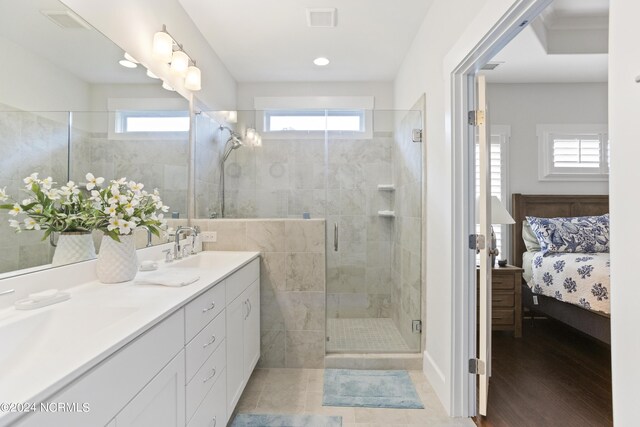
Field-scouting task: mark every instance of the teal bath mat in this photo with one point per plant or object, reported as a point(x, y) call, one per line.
point(370, 389)
point(278, 420)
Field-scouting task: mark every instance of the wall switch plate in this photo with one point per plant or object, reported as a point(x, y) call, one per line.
point(209, 236)
point(535, 300)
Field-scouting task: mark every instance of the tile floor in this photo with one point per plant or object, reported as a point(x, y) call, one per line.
point(296, 391)
point(367, 335)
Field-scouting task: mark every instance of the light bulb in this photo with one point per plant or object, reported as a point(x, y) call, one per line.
point(162, 46)
point(192, 80)
point(179, 62)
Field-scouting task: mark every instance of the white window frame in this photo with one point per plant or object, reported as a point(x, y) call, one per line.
point(121, 108)
point(546, 169)
point(365, 104)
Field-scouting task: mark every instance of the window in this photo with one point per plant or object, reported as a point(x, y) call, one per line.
point(148, 118)
point(573, 152)
point(152, 121)
point(314, 120)
point(303, 117)
point(498, 169)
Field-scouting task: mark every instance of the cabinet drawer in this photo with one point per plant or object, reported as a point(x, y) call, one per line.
point(204, 344)
point(502, 317)
point(209, 374)
point(502, 299)
point(212, 412)
point(502, 281)
point(241, 279)
point(202, 310)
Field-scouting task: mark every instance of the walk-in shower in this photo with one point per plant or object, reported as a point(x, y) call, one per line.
point(360, 295)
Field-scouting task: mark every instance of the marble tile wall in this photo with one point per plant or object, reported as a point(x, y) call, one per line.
point(29, 143)
point(208, 154)
point(292, 285)
point(406, 242)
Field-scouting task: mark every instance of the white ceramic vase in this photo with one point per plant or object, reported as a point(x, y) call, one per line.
point(117, 261)
point(73, 247)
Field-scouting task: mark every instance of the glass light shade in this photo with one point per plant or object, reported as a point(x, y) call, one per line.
point(162, 46)
point(179, 62)
point(130, 58)
point(166, 86)
point(192, 80)
point(150, 74)
point(251, 134)
point(127, 63)
point(232, 116)
point(258, 140)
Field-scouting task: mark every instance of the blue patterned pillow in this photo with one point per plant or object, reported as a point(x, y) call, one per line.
point(572, 234)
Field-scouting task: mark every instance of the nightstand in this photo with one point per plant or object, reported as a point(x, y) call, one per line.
point(506, 299)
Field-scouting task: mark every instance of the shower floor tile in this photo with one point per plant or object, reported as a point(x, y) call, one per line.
point(364, 335)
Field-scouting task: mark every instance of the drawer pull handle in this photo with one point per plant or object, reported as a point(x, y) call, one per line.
point(213, 339)
point(211, 307)
point(213, 374)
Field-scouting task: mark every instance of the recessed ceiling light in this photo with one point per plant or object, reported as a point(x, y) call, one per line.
point(128, 64)
point(321, 61)
point(150, 74)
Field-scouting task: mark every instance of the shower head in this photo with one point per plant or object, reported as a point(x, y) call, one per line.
point(233, 143)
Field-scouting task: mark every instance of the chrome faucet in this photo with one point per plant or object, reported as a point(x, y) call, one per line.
point(177, 250)
point(149, 236)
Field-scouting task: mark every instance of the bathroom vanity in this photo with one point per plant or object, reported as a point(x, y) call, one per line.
point(137, 355)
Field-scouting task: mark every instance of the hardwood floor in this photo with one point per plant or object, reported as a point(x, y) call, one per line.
point(552, 376)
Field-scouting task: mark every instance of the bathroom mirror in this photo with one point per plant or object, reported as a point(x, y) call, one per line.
point(68, 107)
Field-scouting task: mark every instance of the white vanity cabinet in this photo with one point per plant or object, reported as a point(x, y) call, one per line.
point(243, 331)
point(187, 370)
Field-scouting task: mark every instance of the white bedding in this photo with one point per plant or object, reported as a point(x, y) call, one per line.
point(575, 278)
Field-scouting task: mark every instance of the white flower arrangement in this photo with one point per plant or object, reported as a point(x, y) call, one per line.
point(124, 205)
point(48, 208)
point(117, 209)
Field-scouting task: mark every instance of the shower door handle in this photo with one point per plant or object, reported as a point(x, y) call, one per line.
point(335, 237)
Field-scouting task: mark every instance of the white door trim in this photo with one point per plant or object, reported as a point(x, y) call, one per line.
point(463, 389)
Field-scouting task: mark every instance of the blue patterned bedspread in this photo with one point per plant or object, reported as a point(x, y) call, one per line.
point(576, 278)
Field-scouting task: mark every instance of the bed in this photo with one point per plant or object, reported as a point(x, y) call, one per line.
point(587, 320)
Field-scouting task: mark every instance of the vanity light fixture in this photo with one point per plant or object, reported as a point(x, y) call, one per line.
point(321, 61)
point(168, 50)
point(252, 137)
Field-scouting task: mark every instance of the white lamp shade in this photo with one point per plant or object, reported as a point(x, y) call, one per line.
point(179, 63)
point(499, 214)
point(162, 46)
point(192, 80)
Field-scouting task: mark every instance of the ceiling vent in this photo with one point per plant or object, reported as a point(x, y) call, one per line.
point(321, 18)
point(66, 19)
point(490, 66)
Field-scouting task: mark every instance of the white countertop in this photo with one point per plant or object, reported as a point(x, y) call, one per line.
point(43, 350)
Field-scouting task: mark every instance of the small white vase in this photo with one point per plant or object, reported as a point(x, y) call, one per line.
point(73, 247)
point(117, 261)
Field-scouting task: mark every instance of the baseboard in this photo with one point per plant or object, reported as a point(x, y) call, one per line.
point(437, 379)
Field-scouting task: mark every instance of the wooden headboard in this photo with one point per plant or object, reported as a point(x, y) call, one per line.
point(550, 206)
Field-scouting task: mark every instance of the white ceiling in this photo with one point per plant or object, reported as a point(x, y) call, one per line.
point(581, 24)
point(262, 40)
point(85, 53)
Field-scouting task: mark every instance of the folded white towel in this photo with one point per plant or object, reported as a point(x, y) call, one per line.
point(182, 277)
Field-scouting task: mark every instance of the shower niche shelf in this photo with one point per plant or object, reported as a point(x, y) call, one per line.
point(386, 187)
point(387, 214)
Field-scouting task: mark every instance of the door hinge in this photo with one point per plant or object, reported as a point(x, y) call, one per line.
point(477, 242)
point(416, 326)
point(476, 117)
point(416, 135)
point(476, 367)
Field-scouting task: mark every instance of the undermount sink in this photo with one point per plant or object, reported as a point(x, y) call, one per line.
point(206, 259)
point(62, 328)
